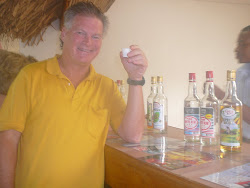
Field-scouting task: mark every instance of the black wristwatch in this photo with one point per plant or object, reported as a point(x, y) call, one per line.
point(136, 82)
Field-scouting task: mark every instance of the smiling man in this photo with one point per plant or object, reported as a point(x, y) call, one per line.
point(55, 118)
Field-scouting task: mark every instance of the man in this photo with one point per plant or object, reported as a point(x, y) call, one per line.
point(242, 79)
point(55, 118)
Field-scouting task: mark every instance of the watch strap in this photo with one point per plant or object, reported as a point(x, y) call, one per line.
point(136, 82)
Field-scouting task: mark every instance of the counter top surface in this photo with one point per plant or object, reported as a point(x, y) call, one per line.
point(162, 160)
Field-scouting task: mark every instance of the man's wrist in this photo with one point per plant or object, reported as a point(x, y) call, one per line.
point(136, 82)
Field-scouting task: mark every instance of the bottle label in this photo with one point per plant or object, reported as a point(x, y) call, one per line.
point(158, 116)
point(150, 114)
point(207, 122)
point(192, 121)
point(230, 126)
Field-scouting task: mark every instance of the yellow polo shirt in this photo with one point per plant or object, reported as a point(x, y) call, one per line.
point(63, 129)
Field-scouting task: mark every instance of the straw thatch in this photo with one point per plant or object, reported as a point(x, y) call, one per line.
point(10, 65)
point(29, 19)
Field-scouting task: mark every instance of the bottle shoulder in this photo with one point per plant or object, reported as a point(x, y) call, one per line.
point(210, 98)
point(152, 95)
point(192, 98)
point(192, 103)
point(160, 99)
point(231, 102)
point(160, 95)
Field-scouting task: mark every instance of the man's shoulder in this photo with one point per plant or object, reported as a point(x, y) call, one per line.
point(34, 66)
point(37, 66)
point(244, 68)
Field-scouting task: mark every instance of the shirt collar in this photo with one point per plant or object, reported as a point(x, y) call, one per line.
point(54, 69)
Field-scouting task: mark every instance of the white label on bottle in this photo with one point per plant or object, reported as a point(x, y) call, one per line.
point(192, 121)
point(207, 122)
point(158, 116)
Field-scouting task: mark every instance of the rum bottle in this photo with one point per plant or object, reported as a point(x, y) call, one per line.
point(160, 107)
point(230, 117)
point(150, 102)
point(209, 113)
point(192, 112)
point(118, 83)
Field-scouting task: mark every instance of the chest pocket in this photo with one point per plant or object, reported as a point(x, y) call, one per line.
point(97, 120)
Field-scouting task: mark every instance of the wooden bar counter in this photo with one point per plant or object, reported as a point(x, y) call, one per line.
point(124, 166)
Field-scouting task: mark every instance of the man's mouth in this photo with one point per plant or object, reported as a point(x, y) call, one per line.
point(84, 50)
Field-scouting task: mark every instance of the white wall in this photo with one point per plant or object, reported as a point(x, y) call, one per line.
point(46, 48)
point(178, 37)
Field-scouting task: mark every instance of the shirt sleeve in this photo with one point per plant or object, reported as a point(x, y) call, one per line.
point(117, 106)
point(15, 108)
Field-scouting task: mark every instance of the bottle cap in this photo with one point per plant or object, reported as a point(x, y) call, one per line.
point(153, 80)
point(231, 75)
point(118, 82)
point(209, 74)
point(125, 52)
point(192, 77)
point(159, 79)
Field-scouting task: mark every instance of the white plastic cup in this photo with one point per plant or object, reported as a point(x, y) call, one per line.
point(125, 52)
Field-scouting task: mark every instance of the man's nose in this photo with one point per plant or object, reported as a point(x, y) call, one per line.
point(87, 39)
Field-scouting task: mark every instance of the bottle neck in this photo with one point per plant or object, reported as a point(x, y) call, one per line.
point(160, 89)
point(209, 87)
point(231, 89)
point(192, 89)
point(154, 88)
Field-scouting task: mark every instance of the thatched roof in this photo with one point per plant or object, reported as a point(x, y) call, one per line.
point(29, 19)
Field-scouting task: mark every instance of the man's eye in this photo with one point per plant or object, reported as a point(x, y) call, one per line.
point(96, 37)
point(81, 33)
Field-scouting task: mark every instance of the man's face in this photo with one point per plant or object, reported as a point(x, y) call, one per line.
point(82, 42)
point(243, 47)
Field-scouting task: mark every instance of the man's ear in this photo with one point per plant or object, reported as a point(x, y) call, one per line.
point(63, 33)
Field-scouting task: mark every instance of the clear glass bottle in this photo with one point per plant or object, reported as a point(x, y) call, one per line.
point(230, 117)
point(192, 112)
point(160, 108)
point(123, 91)
point(209, 113)
point(150, 102)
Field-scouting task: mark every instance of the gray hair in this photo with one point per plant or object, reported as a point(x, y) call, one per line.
point(85, 9)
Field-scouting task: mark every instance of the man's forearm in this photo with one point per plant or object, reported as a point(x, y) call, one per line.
point(218, 92)
point(132, 125)
point(8, 157)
